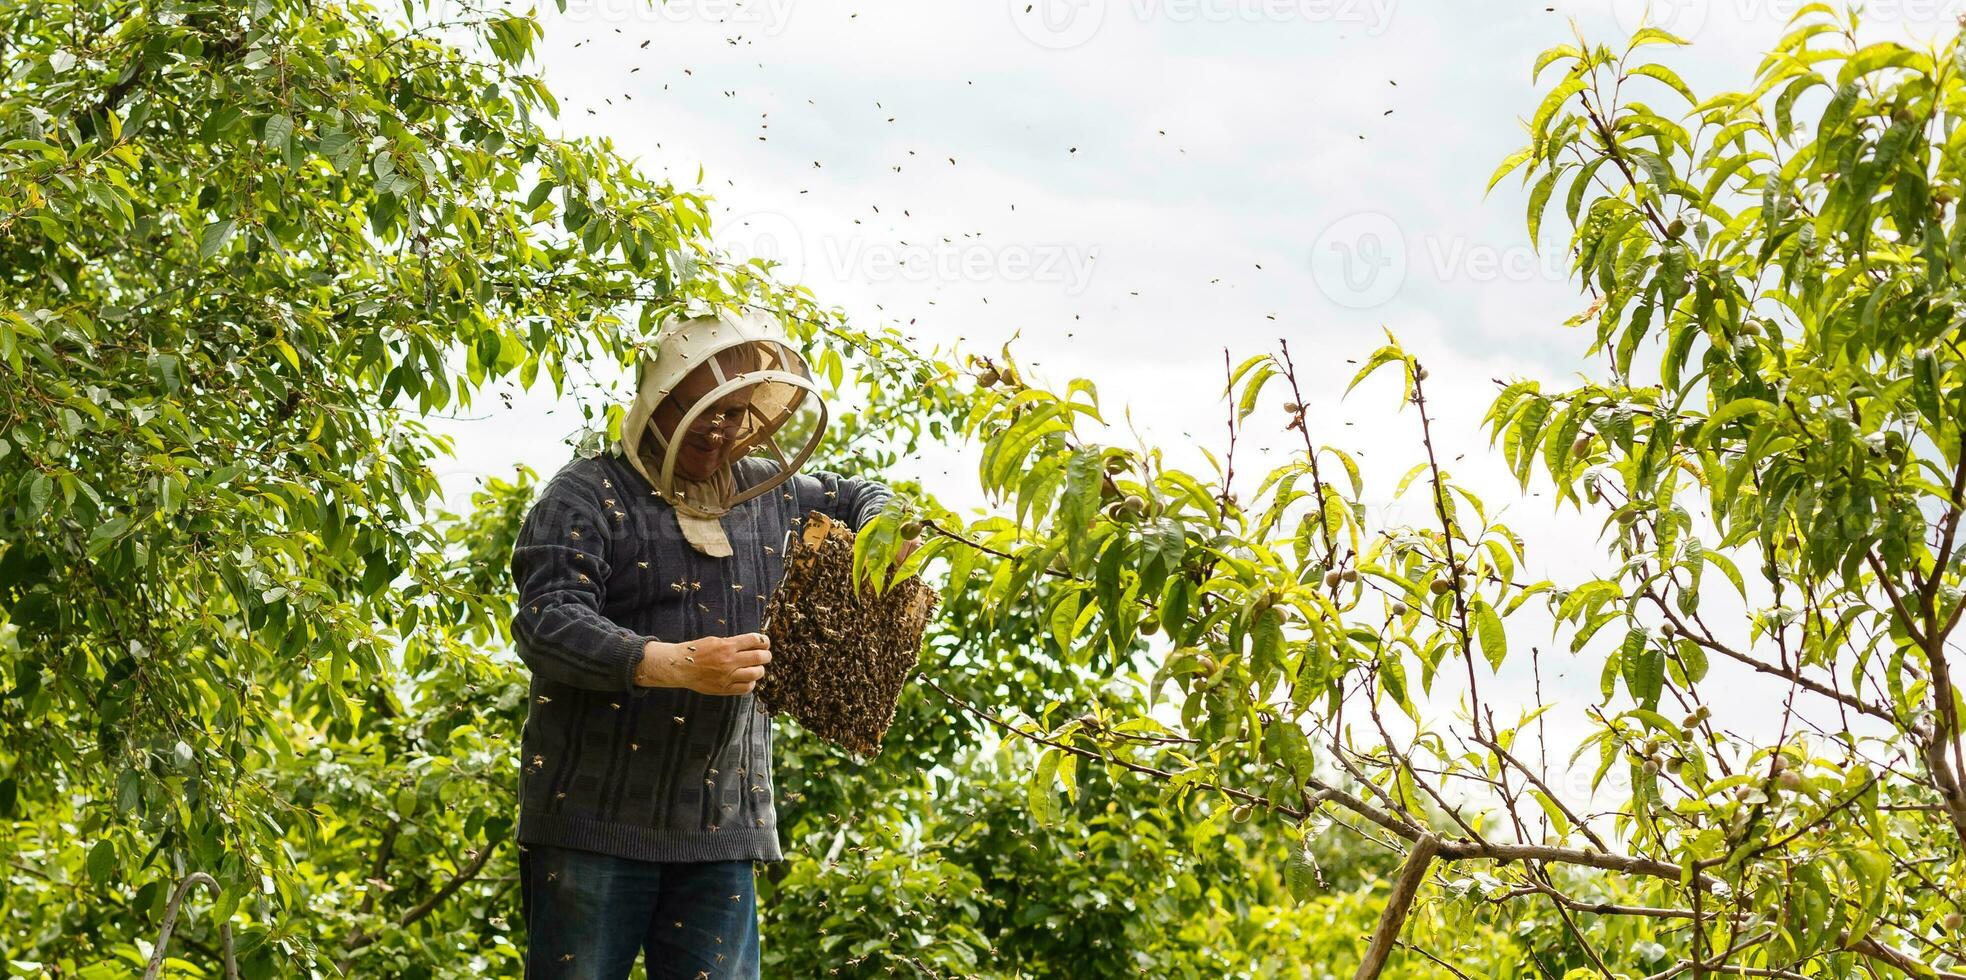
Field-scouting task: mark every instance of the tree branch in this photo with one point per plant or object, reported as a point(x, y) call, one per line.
point(1398, 904)
point(438, 897)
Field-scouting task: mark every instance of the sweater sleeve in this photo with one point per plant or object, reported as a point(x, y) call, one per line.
point(560, 568)
point(853, 500)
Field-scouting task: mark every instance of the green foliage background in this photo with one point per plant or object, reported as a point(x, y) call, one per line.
point(247, 250)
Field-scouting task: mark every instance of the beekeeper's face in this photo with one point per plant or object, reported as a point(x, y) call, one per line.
point(709, 438)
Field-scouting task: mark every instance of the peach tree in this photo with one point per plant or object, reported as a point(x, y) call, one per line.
point(247, 251)
point(1776, 446)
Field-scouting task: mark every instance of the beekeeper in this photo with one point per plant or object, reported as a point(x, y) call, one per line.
point(642, 574)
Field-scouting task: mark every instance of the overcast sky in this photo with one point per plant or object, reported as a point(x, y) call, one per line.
point(1129, 186)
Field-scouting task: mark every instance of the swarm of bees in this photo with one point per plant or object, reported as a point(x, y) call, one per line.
point(839, 656)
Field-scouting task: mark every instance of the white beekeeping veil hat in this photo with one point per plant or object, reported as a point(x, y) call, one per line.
point(750, 358)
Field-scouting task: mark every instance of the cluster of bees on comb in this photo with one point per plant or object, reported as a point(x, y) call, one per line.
point(840, 656)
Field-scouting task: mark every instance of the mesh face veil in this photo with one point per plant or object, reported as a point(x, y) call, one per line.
point(732, 381)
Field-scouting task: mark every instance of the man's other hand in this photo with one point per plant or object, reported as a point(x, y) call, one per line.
point(908, 546)
point(724, 665)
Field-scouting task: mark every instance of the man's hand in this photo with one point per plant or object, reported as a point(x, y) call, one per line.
point(725, 665)
point(908, 546)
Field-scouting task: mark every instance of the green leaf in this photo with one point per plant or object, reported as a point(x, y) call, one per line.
point(1654, 35)
point(1488, 627)
point(1539, 196)
point(39, 489)
point(1507, 166)
point(1549, 57)
point(1558, 821)
point(1644, 669)
point(1078, 506)
point(279, 130)
point(1733, 410)
point(103, 535)
point(1381, 357)
point(1300, 875)
point(102, 862)
point(1666, 75)
point(1041, 796)
point(1253, 388)
point(1694, 657)
point(214, 237)
point(1539, 123)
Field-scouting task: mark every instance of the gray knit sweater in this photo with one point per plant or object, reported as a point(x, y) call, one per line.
point(601, 566)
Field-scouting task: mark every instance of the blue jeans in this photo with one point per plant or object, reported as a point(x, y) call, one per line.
point(589, 914)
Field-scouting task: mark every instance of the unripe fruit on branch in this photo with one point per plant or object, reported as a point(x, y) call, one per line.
point(1779, 764)
point(1149, 628)
point(910, 530)
point(1292, 407)
point(1134, 504)
point(1953, 921)
point(1399, 609)
point(1350, 574)
point(1116, 464)
point(1439, 586)
point(1789, 779)
point(1651, 767)
point(1582, 445)
point(988, 378)
point(1419, 372)
point(1332, 578)
point(1676, 229)
point(1089, 721)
